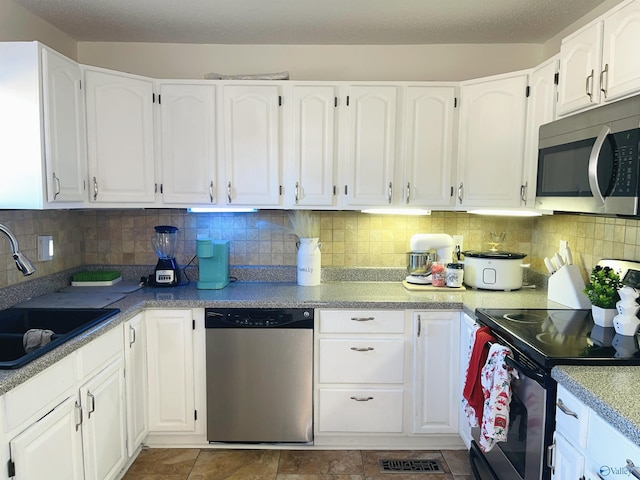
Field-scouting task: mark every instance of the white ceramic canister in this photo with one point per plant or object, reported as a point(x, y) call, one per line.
point(309, 257)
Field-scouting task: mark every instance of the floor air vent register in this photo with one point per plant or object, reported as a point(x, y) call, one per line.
point(413, 466)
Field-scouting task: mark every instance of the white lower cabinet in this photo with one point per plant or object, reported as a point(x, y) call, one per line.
point(436, 370)
point(175, 371)
point(135, 365)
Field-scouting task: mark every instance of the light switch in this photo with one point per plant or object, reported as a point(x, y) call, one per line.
point(45, 248)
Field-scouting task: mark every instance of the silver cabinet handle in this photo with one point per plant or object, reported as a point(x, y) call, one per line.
point(95, 188)
point(362, 319)
point(390, 193)
point(550, 451)
point(297, 192)
point(132, 336)
point(589, 80)
point(361, 399)
point(408, 199)
point(211, 191)
point(93, 404)
point(78, 413)
point(57, 182)
point(229, 192)
point(633, 470)
point(593, 165)
point(602, 80)
point(460, 192)
point(362, 349)
point(564, 409)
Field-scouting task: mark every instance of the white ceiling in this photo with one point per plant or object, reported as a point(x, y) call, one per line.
point(311, 22)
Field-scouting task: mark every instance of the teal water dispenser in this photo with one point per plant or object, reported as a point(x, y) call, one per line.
point(213, 263)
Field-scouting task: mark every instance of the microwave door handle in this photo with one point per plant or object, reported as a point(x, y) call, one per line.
point(593, 165)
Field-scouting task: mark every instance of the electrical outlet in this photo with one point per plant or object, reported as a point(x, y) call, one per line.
point(458, 242)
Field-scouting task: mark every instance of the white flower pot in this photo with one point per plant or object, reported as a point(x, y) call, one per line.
point(603, 316)
point(308, 262)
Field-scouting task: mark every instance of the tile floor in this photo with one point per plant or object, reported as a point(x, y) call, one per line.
point(219, 464)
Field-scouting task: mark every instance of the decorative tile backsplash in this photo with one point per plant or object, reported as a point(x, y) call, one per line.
point(349, 239)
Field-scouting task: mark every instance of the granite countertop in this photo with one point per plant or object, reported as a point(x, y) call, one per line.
point(610, 391)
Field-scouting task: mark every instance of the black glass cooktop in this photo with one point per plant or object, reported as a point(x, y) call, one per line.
point(556, 337)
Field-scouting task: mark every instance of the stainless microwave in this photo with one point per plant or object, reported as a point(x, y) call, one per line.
point(590, 162)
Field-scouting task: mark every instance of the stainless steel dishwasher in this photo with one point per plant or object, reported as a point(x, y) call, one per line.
point(259, 375)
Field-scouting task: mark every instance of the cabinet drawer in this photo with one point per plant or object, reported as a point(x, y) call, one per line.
point(572, 417)
point(607, 447)
point(95, 355)
point(365, 410)
point(361, 361)
point(361, 321)
point(41, 393)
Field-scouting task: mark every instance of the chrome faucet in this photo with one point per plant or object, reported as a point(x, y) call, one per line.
point(22, 262)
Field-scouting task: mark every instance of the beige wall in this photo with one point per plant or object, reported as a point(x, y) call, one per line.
point(18, 24)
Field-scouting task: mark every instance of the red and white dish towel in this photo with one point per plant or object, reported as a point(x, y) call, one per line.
point(487, 389)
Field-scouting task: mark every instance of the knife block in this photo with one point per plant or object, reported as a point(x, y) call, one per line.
point(566, 287)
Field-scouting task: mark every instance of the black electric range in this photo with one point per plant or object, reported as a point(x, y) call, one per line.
point(560, 337)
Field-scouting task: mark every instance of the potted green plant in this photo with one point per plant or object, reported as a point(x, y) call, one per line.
point(602, 290)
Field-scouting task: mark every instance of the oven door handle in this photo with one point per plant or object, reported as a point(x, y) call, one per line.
point(537, 376)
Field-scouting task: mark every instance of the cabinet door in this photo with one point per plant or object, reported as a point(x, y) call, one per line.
point(568, 462)
point(170, 370)
point(466, 329)
point(371, 145)
point(135, 359)
point(64, 128)
point(492, 132)
point(580, 59)
point(51, 448)
point(188, 139)
point(436, 367)
point(103, 426)
point(314, 145)
point(119, 137)
point(620, 59)
point(428, 159)
point(252, 144)
point(541, 109)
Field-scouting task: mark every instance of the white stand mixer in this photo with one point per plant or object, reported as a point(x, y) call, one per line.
point(424, 242)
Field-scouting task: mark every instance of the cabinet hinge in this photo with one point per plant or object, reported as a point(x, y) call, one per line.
point(279, 100)
point(335, 101)
point(153, 98)
point(335, 190)
point(455, 102)
point(451, 194)
point(345, 189)
point(347, 100)
point(527, 91)
point(80, 84)
point(280, 190)
point(162, 188)
point(195, 415)
point(193, 324)
point(11, 468)
point(556, 78)
point(159, 99)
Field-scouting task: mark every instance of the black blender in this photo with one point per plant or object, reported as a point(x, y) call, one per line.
point(165, 241)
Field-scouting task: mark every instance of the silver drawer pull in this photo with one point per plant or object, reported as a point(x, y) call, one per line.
point(564, 409)
point(361, 399)
point(362, 349)
point(633, 470)
point(362, 319)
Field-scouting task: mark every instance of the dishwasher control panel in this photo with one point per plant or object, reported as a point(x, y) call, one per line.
point(258, 318)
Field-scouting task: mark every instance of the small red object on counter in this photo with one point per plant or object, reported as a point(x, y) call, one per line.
point(438, 277)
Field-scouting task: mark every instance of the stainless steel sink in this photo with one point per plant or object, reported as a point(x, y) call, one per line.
point(66, 323)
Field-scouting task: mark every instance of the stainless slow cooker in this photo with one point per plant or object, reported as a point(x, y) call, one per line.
point(494, 270)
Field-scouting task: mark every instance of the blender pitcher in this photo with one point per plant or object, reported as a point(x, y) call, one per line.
point(165, 241)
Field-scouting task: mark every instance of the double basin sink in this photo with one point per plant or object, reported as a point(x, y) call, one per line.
point(65, 323)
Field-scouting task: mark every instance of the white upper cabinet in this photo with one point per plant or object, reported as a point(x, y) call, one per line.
point(620, 58)
point(541, 109)
point(311, 172)
point(42, 149)
point(491, 148)
point(600, 62)
point(371, 145)
point(252, 144)
point(64, 129)
point(428, 146)
point(120, 137)
point(188, 143)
